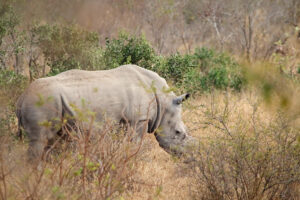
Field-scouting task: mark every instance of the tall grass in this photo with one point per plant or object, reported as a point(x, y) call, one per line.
point(96, 162)
point(246, 153)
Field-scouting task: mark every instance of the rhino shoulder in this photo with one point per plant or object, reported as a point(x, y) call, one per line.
point(146, 73)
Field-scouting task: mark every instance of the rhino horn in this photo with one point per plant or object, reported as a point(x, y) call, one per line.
point(181, 98)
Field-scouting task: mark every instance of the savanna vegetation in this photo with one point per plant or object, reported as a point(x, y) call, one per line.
point(239, 59)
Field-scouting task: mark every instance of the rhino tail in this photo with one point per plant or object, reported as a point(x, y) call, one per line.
point(19, 117)
point(20, 130)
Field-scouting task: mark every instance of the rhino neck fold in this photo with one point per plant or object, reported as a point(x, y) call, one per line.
point(158, 115)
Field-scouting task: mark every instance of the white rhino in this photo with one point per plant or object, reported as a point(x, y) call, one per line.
point(128, 93)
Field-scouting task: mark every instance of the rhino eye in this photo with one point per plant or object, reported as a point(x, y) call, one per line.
point(177, 132)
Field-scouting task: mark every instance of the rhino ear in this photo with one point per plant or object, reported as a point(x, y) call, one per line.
point(181, 98)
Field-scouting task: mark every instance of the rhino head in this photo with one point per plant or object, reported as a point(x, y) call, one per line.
point(172, 134)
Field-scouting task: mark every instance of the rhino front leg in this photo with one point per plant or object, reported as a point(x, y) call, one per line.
point(141, 128)
point(38, 141)
point(36, 150)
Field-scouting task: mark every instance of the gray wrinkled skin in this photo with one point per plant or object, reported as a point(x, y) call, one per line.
point(172, 134)
point(121, 94)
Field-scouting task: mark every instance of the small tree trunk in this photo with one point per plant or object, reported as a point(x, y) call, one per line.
point(17, 66)
point(247, 30)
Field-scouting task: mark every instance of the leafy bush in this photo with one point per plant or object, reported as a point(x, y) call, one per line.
point(9, 80)
point(11, 87)
point(177, 65)
point(12, 38)
point(128, 49)
point(221, 69)
point(248, 153)
point(203, 71)
point(65, 47)
point(206, 56)
point(194, 81)
point(218, 77)
point(8, 20)
point(68, 47)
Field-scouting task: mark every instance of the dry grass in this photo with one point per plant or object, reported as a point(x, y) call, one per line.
point(250, 150)
point(93, 164)
point(155, 174)
point(165, 178)
point(160, 176)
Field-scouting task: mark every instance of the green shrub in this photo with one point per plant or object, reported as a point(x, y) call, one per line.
point(177, 66)
point(203, 71)
point(206, 56)
point(218, 77)
point(11, 87)
point(12, 38)
point(128, 50)
point(68, 47)
point(8, 19)
point(194, 81)
point(237, 80)
point(11, 84)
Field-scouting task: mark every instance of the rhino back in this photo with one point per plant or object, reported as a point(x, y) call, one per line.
point(117, 93)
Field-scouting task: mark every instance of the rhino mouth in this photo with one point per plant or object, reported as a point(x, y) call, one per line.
point(177, 148)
